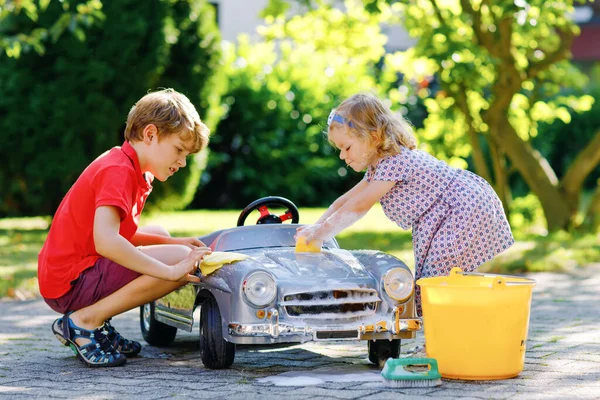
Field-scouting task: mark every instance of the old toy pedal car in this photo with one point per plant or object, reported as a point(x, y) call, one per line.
point(279, 296)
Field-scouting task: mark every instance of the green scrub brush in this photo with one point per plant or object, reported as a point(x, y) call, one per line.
point(396, 376)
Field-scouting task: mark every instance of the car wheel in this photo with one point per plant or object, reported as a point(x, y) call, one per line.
point(381, 350)
point(215, 352)
point(155, 332)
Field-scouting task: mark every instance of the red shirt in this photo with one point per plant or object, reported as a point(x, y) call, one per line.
point(113, 179)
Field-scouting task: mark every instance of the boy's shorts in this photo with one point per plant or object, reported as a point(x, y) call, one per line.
point(93, 284)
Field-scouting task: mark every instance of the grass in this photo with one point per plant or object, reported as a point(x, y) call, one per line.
point(22, 238)
point(20, 242)
point(559, 251)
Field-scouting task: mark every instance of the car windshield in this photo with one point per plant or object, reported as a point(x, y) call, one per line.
point(260, 236)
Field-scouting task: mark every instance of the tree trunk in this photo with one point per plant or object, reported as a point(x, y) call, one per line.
point(580, 168)
point(481, 167)
point(536, 172)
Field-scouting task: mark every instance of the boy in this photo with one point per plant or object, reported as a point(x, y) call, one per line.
point(89, 268)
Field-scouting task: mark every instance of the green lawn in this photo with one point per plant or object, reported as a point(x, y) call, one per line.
point(22, 238)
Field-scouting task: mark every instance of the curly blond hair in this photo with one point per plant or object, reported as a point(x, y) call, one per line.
point(367, 118)
point(172, 113)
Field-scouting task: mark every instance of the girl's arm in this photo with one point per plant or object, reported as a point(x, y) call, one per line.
point(357, 204)
point(336, 205)
point(110, 244)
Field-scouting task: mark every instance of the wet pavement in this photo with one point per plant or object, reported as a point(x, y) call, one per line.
point(562, 359)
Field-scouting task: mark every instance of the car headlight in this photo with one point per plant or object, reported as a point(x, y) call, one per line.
point(398, 283)
point(259, 288)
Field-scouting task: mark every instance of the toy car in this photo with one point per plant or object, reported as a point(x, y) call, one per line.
point(280, 296)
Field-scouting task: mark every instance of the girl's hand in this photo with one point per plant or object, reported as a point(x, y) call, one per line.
point(299, 231)
point(185, 270)
point(191, 242)
point(310, 232)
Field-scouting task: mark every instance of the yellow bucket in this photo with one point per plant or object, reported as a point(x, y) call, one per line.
point(476, 324)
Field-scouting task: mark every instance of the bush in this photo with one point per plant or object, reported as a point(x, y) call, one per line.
point(61, 110)
point(195, 65)
point(526, 215)
point(560, 142)
point(281, 90)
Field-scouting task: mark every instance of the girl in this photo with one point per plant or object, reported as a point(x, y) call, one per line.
point(455, 215)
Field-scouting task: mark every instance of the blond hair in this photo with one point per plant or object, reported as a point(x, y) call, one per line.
point(367, 118)
point(172, 113)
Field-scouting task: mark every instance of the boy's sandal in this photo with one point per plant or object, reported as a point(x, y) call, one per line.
point(125, 346)
point(98, 353)
point(58, 331)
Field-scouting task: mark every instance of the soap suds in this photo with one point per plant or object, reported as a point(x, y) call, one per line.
point(350, 373)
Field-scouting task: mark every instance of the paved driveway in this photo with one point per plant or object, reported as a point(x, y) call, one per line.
point(562, 360)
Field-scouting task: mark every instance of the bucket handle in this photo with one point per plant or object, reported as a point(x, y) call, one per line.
point(503, 278)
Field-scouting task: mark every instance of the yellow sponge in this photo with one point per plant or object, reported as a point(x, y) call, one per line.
point(314, 246)
point(217, 259)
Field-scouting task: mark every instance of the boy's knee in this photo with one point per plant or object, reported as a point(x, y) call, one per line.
point(169, 254)
point(179, 251)
point(162, 231)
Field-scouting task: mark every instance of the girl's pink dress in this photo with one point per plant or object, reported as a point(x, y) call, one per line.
point(456, 217)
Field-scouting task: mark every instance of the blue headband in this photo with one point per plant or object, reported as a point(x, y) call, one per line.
point(338, 118)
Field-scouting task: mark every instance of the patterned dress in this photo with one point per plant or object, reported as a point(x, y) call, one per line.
point(455, 215)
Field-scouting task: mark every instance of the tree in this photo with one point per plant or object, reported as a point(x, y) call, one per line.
point(60, 110)
point(75, 18)
point(501, 66)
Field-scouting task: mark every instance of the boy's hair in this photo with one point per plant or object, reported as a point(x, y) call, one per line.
point(172, 113)
point(369, 119)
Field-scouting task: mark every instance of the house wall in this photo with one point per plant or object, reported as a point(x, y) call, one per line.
point(586, 46)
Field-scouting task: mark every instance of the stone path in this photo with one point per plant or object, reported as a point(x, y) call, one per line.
point(562, 359)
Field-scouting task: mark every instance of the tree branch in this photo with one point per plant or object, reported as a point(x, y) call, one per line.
point(484, 38)
point(505, 31)
point(592, 217)
point(508, 78)
point(480, 164)
point(438, 13)
point(561, 52)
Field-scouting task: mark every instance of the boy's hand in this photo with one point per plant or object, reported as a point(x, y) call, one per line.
point(186, 269)
point(191, 242)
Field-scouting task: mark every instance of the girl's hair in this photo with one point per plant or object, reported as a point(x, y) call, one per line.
point(172, 113)
point(369, 119)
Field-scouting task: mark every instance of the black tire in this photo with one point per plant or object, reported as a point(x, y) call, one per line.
point(215, 352)
point(381, 350)
point(155, 332)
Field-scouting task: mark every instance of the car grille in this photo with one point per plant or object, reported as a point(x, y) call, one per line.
point(331, 304)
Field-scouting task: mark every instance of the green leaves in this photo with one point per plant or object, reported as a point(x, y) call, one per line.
point(65, 107)
point(21, 31)
point(281, 90)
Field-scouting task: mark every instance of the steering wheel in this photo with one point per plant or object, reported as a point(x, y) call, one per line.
point(265, 215)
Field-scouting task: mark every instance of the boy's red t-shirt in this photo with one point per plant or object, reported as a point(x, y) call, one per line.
point(113, 179)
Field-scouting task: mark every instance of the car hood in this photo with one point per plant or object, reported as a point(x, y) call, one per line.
point(285, 264)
